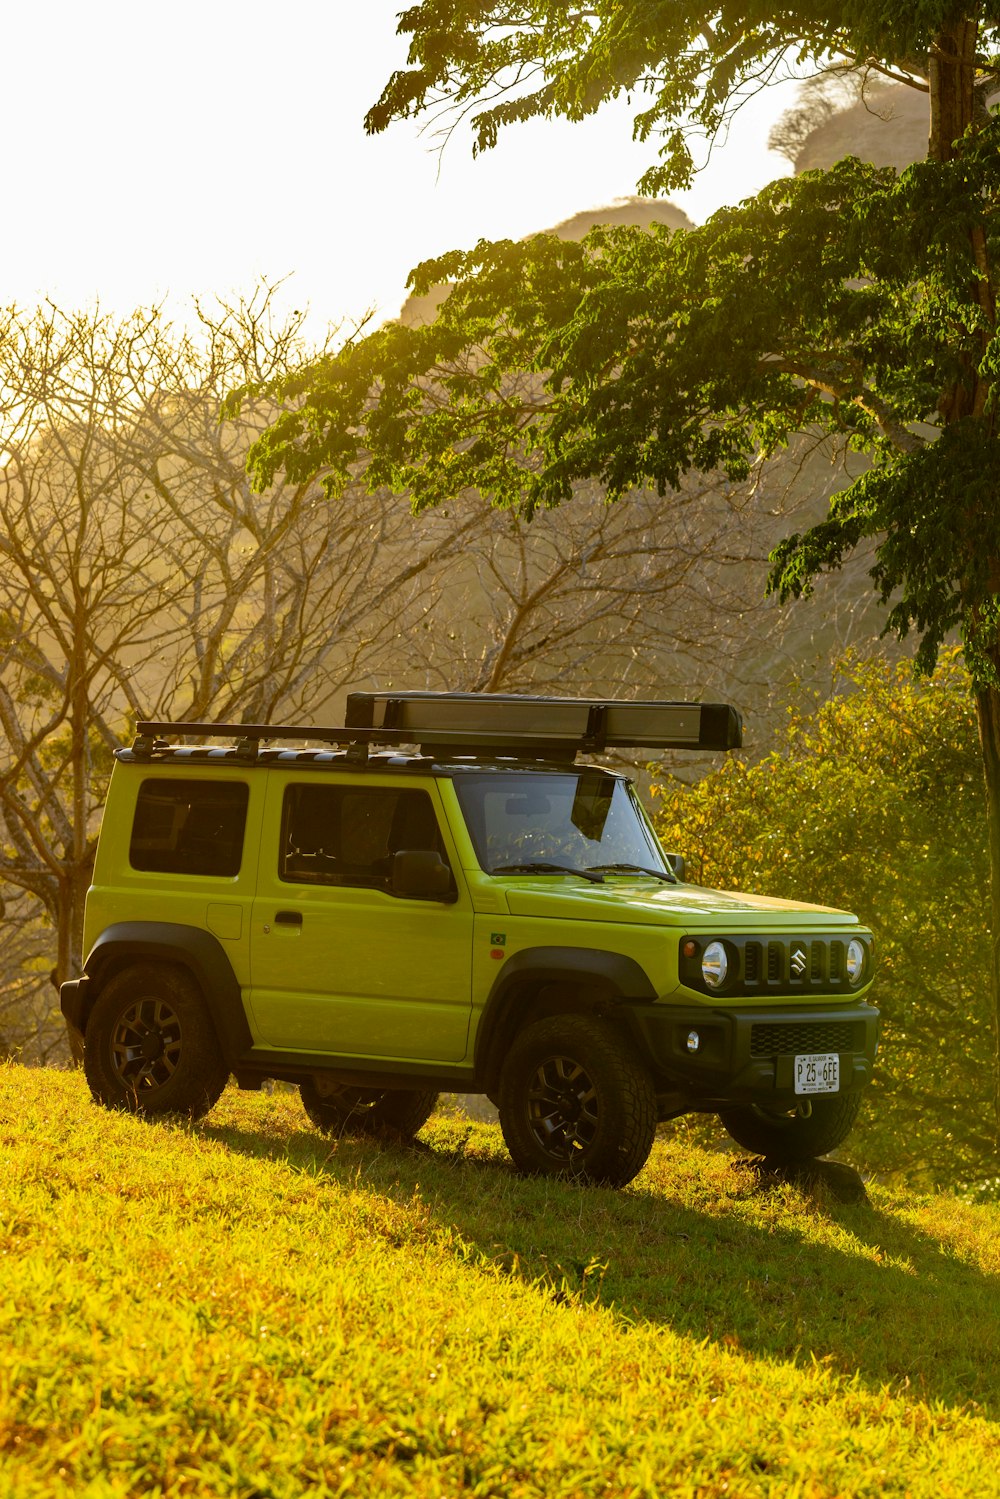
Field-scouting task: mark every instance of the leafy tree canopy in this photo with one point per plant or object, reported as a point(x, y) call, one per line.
point(836, 301)
point(854, 302)
point(682, 65)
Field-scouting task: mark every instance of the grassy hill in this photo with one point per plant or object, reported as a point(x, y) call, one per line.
point(243, 1308)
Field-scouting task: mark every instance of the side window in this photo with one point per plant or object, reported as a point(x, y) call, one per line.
point(347, 835)
point(189, 827)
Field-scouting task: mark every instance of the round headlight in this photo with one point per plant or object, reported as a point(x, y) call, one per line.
point(855, 960)
point(714, 965)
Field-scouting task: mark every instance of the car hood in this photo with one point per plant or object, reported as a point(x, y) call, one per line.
point(670, 905)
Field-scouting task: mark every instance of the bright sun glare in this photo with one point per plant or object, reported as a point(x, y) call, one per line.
point(194, 148)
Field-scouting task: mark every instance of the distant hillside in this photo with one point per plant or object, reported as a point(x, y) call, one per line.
point(639, 211)
point(888, 128)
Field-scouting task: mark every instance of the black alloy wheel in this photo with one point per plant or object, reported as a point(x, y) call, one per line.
point(562, 1108)
point(576, 1101)
point(146, 1045)
point(150, 1045)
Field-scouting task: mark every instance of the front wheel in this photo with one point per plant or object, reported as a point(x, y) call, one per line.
point(150, 1046)
point(337, 1109)
point(787, 1136)
point(576, 1101)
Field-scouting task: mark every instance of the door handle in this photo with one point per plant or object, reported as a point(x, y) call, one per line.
point(288, 918)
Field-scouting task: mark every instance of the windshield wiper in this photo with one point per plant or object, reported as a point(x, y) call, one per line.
point(538, 866)
point(655, 874)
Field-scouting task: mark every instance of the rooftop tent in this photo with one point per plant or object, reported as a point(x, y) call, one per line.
point(485, 720)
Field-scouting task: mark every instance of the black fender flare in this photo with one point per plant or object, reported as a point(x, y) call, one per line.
point(189, 947)
point(610, 979)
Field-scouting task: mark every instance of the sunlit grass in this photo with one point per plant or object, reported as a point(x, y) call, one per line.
point(244, 1308)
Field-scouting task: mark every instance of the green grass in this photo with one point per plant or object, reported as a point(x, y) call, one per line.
point(243, 1308)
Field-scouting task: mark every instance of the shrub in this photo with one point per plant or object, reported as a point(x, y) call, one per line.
point(874, 801)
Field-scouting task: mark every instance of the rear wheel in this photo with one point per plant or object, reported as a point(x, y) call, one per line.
point(150, 1045)
point(338, 1109)
point(575, 1101)
point(786, 1135)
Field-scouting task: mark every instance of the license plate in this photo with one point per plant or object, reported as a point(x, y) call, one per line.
point(818, 1073)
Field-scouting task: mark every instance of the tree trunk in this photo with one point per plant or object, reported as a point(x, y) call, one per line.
point(988, 710)
point(951, 79)
point(951, 75)
point(69, 929)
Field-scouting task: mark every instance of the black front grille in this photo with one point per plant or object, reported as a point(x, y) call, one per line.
point(776, 964)
point(837, 961)
point(800, 1038)
point(794, 964)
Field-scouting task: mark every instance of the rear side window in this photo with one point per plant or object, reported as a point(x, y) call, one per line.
point(189, 827)
point(347, 835)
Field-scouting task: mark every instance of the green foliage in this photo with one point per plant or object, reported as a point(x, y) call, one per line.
point(243, 1308)
point(852, 302)
point(874, 802)
point(938, 555)
point(835, 302)
point(505, 61)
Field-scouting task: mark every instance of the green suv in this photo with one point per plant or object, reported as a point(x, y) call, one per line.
point(439, 897)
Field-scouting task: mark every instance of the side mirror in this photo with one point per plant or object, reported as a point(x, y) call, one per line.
point(677, 863)
point(421, 874)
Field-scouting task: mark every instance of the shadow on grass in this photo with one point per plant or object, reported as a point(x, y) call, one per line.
point(726, 1252)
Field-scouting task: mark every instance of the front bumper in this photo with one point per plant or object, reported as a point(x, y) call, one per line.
point(747, 1055)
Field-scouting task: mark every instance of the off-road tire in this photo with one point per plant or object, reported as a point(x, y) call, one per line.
point(150, 1046)
point(576, 1101)
point(787, 1137)
point(342, 1110)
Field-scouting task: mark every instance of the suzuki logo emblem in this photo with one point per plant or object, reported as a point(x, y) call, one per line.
point(799, 961)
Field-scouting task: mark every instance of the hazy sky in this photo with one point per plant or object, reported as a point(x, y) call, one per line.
point(156, 151)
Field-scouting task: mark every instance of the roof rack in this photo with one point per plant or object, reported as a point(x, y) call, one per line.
point(450, 724)
point(248, 737)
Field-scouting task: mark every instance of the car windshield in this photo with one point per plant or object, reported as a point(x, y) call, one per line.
point(579, 820)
